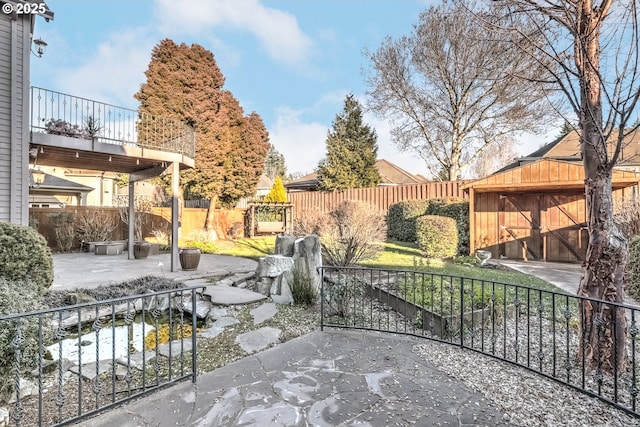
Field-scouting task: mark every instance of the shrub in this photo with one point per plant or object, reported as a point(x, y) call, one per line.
point(309, 222)
point(353, 233)
point(437, 236)
point(95, 226)
point(65, 233)
point(17, 297)
point(342, 294)
point(303, 290)
point(632, 273)
point(277, 194)
point(401, 219)
point(458, 209)
point(627, 216)
point(24, 255)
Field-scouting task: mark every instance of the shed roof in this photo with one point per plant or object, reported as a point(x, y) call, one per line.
point(545, 175)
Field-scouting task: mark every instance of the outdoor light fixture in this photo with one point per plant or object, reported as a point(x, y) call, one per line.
point(37, 177)
point(77, 155)
point(40, 46)
point(109, 158)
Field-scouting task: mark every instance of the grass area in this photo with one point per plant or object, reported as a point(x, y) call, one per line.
point(403, 255)
point(248, 248)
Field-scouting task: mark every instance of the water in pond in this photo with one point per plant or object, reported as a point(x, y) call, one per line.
point(113, 343)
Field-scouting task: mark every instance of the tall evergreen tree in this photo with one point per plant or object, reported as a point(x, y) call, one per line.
point(352, 150)
point(274, 164)
point(186, 83)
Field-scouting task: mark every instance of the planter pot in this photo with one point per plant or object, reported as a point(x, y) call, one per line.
point(141, 250)
point(189, 258)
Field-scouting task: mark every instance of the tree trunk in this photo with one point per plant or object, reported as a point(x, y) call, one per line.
point(209, 222)
point(603, 325)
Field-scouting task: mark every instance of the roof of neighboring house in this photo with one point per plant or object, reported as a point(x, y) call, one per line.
point(567, 148)
point(264, 183)
point(54, 183)
point(390, 174)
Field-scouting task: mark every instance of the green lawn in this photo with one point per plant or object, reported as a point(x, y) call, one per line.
point(248, 248)
point(402, 255)
point(396, 255)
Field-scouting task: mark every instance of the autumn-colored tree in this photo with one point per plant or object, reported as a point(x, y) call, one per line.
point(277, 194)
point(184, 82)
point(352, 151)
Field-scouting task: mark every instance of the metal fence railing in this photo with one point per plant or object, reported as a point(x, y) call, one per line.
point(86, 358)
point(62, 114)
point(537, 329)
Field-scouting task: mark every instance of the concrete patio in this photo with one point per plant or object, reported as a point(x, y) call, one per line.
point(86, 270)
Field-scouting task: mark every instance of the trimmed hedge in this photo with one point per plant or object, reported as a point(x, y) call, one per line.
point(632, 273)
point(458, 209)
point(401, 219)
point(25, 256)
point(437, 236)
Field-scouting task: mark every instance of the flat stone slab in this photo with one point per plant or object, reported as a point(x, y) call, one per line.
point(137, 360)
point(223, 322)
point(259, 339)
point(264, 312)
point(175, 348)
point(89, 370)
point(202, 308)
point(229, 295)
point(210, 333)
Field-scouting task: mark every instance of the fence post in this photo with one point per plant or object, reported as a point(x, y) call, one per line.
point(321, 297)
point(462, 312)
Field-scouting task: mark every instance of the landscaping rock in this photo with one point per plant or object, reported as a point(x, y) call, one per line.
point(211, 332)
point(175, 348)
point(259, 339)
point(218, 312)
point(285, 244)
point(229, 295)
point(137, 360)
point(4, 417)
point(27, 388)
point(202, 308)
point(89, 370)
point(273, 265)
point(223, 322)
point(264, 312)
point(264, 285)
point(307, 258)
point(283, 291)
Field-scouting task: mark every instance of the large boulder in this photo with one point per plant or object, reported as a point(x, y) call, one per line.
point(307, 257)
point(273, 266)
point(285, 244)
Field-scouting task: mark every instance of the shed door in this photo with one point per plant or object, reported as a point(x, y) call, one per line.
point(565, 235)
point(549, 227)
point(519, 226)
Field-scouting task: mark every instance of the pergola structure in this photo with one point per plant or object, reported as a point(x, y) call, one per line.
point(73, 132)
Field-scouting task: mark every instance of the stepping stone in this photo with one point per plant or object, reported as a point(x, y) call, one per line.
point(218, 312)
point(230, 295)
point(176, 347)
point(202, 308)
point(259, 339)
point(212, 332)
point(240, 278)
point(264, 312)
point(89, 370)
point(196, 282)
point(223, 322)
point(137, 358)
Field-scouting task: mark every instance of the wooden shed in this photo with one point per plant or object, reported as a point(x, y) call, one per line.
point(536, 211)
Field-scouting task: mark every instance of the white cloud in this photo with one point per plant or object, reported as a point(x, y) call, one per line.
point(277, 31)
point(302, 144)
point(113, 73)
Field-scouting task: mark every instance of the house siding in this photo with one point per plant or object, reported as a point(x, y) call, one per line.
point(14, 142)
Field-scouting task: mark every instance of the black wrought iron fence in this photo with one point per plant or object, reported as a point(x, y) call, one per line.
point(537, 329)
point(61, 365)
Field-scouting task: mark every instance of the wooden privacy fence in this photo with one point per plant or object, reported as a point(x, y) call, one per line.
point(159, 219)
point(380, 198)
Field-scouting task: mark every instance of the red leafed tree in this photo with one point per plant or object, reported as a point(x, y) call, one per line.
point(184, 82)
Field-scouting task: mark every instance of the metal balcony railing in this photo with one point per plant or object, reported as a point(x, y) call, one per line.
point(62, 114)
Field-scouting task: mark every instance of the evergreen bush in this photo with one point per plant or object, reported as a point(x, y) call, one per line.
point(632, 273)
point(458, 209)
point(401, 219)
point(277, 194)
point(437, 236)
point(18, 297)
point(24, 255)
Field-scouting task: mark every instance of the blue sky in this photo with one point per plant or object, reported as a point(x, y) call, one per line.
point(291, 61)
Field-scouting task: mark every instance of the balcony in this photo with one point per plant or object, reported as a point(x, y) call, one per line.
point(73, 132)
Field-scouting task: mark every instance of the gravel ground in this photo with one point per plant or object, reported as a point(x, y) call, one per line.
point(526, 398)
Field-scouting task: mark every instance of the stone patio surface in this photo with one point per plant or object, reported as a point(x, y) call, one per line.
point(330, 378)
